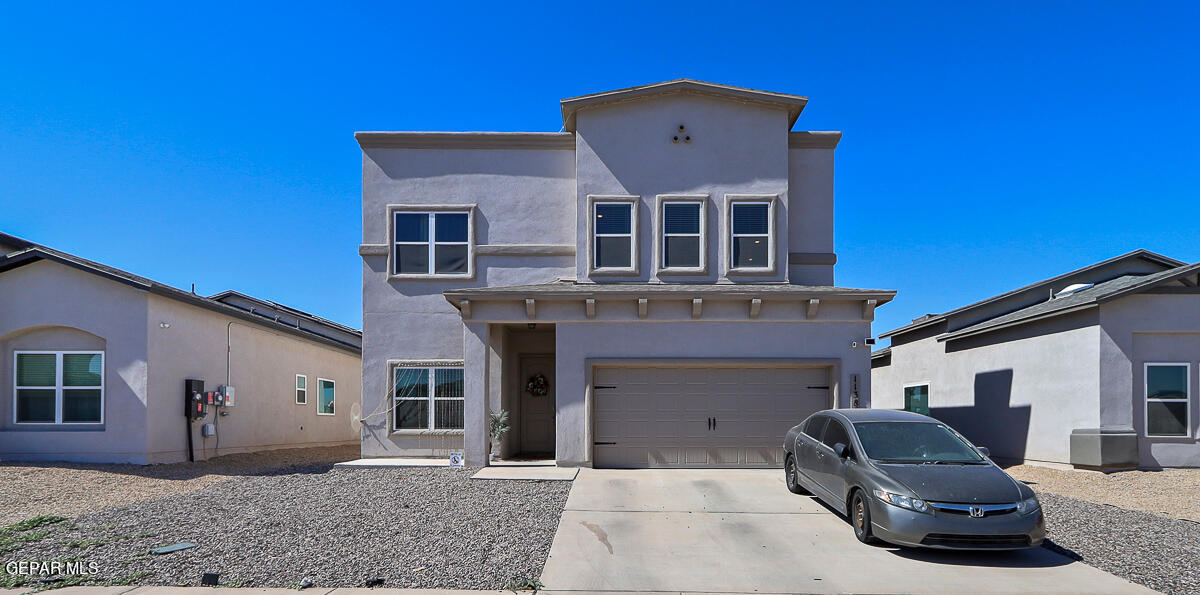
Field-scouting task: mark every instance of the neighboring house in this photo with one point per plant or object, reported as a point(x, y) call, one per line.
point(1096, 367)
point(96, 358)
point(651, 287)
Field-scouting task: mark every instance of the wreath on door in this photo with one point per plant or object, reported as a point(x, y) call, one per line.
point(537, 386)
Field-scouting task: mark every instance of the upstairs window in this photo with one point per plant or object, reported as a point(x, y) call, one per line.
point(1168, 400)
point(750, 235)
point(428, 398)
point(430, 243)
point(682, 245)
point(59, 387)
point(613, 238)
point(301, 389)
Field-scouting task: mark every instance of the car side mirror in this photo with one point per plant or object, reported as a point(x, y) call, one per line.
point(842, 450)
point(984, 451)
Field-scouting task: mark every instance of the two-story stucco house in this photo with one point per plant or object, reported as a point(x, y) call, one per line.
point(651, 287)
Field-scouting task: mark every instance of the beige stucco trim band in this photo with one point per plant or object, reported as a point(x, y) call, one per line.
point(812, 258)
point(814, 139)
point(467, 140)
point(526, 250)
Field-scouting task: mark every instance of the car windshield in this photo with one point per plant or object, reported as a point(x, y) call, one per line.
point(914, 442)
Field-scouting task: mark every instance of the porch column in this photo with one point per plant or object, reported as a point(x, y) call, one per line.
point(476, 356)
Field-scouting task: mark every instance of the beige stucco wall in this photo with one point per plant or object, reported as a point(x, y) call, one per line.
point(1019, 393)
point(49, 306)
point(263, 364)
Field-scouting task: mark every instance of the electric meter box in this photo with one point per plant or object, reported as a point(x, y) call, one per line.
point(227, 392)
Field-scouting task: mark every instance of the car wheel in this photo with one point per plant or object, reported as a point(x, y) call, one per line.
point(789, 472)
point(860, 517)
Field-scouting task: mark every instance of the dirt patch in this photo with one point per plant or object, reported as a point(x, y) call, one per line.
point(70, 489)
point(1166, 493)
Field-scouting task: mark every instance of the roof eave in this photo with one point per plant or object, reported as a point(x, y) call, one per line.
point(1140, 253)
point(794, 104)
point(965, 333)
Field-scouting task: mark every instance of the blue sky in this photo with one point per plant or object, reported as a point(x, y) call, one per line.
point(984, 148)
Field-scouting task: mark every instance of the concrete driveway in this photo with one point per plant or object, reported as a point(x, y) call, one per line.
point(741, 531)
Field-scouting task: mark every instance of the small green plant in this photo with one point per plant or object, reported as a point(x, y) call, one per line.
point(498, 425)
point(524, 584)
point(33, 523)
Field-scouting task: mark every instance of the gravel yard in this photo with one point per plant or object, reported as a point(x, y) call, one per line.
point(68, 489)
point(1170, 493)
point(1145, 548)
point(413, 527)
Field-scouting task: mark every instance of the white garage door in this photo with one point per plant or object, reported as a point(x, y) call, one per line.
point(700, 416)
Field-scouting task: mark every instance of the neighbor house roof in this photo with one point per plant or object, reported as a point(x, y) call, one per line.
point(317, 329)
point(931, 319)
point(793, 104)
point(573, 289)
point(1081, 300)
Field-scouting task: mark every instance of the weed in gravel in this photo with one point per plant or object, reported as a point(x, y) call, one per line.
point(11, 581)
point(33, 523)
point(524, 584)
point(129, 579)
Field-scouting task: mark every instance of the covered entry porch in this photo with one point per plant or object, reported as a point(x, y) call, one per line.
point(707, 375)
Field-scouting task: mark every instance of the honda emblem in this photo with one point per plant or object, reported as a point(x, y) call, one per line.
point(976, 512)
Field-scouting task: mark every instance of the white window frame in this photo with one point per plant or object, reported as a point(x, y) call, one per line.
point(299, 390)
point(928, 390)
point(1187, 366)
point(771, 236)
point(634, 203)
point(430, 211)
point(660, 233)
point(58, 388)
point(333, 403)
point(431, 400)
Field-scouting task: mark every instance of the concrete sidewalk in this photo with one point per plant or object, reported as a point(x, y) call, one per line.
point(741, 531)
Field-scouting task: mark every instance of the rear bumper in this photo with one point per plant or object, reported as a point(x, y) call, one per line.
point(941, 530)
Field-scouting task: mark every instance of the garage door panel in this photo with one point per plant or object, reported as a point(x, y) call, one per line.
point(659, 416)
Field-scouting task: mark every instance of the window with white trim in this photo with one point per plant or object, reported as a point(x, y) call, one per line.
point(301, 389)
point(1168, 399)
point(612, 235)
point(427, 398)
point(683, 234)
point(58, 387)
point(326, 395)
point(430, 243)
point(750, 236)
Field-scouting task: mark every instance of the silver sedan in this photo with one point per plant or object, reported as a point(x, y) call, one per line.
point(910, 480)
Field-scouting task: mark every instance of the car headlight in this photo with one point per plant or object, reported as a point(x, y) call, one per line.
point(916, 504)
point(1028, 505)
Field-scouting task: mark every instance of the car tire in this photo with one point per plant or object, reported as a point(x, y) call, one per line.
point(860, 517)
point(790, 476)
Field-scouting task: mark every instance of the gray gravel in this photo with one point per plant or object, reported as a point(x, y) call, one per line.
point(413, 527)
point(1160, 553)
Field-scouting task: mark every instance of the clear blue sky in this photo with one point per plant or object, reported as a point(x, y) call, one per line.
point(984, 147)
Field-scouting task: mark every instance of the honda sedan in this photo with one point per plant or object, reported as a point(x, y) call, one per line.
point(910, 480)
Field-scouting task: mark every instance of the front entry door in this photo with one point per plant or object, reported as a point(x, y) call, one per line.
point(537, 410)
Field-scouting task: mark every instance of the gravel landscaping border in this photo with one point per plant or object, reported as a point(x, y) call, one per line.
point(69, 489)
point(1159, 492)
point(1160, 553)
point(412, 527)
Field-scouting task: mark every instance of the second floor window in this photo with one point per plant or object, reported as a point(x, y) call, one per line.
point(430, 243)
point(613, 241)
point(682, 247)
point(751, 235)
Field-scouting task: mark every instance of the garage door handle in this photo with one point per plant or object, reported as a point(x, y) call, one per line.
point(604, 443)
